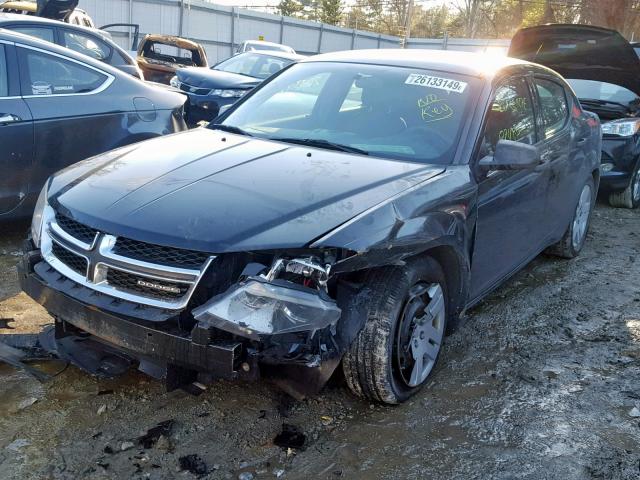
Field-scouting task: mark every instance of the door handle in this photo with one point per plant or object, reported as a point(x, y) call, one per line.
point(6, 118)
point(581, 141)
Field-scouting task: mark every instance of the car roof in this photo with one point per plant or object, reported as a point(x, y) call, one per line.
point(19, 38)
point(274, 53)
point(466, 63)
point(18, 18)
point(264, 42)
point(172, 40)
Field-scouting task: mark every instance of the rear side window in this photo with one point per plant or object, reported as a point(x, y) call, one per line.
point(553, 105)
point(4, 75)
point(42, 33)
point(511, 116)
point(43, 74)
point(85, 44)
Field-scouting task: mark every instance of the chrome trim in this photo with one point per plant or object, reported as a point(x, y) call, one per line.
point(101, 258)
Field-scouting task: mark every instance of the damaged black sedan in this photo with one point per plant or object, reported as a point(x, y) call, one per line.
point(347, 211)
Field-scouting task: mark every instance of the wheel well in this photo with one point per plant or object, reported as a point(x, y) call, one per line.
point(596, 177)
point(455, 273)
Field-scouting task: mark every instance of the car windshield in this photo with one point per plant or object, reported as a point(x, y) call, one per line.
point(591, 89)
point(253, 65)
point(382, 111)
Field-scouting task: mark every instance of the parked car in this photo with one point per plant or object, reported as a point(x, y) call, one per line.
point(210, 89)
point(262, 46)
point(279, 243)
point(88, 41)
point(159, 56)
point(63, 10)
point(604, 72)
point(58, 107)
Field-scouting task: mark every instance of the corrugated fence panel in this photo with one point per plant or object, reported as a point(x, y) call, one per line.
point(221, 29)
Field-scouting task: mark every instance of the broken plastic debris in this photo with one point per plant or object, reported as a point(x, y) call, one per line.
point(193, 463)
point(149, 439)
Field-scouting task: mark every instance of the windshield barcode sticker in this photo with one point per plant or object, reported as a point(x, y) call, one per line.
point(436, 82)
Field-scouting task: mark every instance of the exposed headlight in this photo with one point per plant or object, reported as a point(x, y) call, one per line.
point(38, 215)
point(291, 297)
point(607, 167)
point(621, 128)
point(174, 82)
point(228, 93)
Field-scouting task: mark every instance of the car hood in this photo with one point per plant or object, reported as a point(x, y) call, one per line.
point(210, 78)
point(216, 192)
point(580, 51)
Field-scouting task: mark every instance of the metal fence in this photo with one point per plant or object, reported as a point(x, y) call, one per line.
point(221, 29)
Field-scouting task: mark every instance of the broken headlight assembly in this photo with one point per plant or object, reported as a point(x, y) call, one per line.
point(622, 127)
point(290, 297)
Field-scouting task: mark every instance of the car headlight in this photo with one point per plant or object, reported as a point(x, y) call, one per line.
point(290, 298)
point(621, 128)
point(174, 82)
point(228, 93)
point(38, 215)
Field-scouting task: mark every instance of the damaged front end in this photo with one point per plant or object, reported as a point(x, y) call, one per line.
point(118, 303)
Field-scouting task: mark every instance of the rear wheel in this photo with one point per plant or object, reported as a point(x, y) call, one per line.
point(394, 354)
point(576, 234)
point(630, 196)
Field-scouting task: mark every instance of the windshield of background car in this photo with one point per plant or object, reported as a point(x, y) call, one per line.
point(590, 89)
point(171, 54)
point(253, 65)
point(391, 112)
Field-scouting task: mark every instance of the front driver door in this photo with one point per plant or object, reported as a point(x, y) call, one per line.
point(16, 135)
point(510, 202)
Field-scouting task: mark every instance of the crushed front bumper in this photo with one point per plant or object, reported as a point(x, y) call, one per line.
point(177, 358)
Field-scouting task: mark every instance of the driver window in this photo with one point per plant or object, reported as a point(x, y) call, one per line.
point(42, 74)
point(510, 116)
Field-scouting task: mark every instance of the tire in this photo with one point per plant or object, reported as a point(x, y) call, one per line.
point(576, 234)
point(406, 302)
point(630, 196)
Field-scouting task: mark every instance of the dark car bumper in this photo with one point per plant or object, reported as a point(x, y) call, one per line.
point(622, 155)
point(201, 108)
point(152, 346)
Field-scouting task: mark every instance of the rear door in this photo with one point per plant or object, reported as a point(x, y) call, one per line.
point(16, 135)
point(559, 152)
point(75, 116)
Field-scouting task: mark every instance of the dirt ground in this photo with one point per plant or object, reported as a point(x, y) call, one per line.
point(541, 381)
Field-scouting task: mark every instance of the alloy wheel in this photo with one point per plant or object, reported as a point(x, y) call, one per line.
point(420, 333)
point(581, 218)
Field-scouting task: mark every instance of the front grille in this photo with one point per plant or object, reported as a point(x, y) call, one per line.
point(169, 256)
point(198, 91)
point(75, 262)
point(131, 282)
point(75, 229)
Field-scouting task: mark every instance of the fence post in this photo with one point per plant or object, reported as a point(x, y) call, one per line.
point(353, 39)
point(281, 29)
point(445, 40)
point(379, 40)
point(181, 19)
point(233, 29)
point(320, 37)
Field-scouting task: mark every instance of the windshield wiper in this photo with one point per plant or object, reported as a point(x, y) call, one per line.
point(317, 142)
point(229, 128)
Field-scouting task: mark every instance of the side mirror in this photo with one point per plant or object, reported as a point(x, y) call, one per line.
point(510, 155)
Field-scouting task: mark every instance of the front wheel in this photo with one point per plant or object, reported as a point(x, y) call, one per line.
point(397, 349)
point(576, 234)
point(630, 196)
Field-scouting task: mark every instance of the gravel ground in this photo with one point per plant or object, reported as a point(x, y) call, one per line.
point(540, 381)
